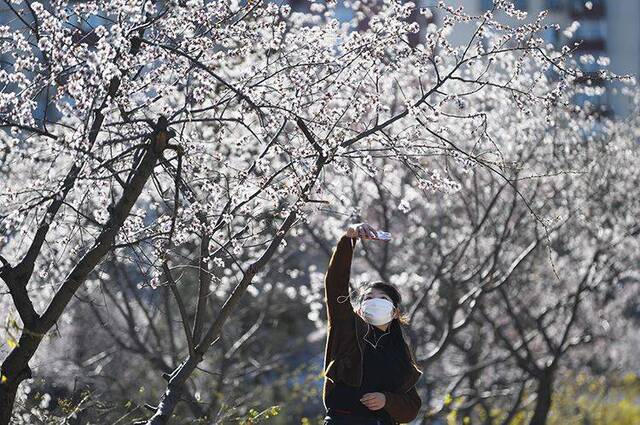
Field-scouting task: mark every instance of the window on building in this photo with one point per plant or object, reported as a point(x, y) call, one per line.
point(521, 4)
point(550, 35)
point(584, 7)
point(553, 4)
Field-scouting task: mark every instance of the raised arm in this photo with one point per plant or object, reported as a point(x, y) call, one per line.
point(336, 281)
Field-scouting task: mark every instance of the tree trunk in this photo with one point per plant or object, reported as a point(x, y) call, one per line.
point(15, 369)
point(544, 393)
point(7, 397)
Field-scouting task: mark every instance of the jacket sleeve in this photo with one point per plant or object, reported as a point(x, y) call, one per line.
point(403, 407)
point(336, 282)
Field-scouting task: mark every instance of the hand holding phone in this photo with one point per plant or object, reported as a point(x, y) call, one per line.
point(366, 231)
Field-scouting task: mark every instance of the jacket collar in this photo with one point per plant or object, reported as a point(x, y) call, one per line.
point(415, 372)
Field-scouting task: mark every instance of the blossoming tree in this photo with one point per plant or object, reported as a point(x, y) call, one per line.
point(518, 279)
point(138, 128)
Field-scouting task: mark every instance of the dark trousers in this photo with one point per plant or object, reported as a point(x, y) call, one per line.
point(336, 418)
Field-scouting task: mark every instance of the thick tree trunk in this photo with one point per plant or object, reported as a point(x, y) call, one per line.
point(15, 369)
point(7, 398)
point(544, 394)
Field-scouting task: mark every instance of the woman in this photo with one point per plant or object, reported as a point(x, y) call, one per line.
point(370, 372)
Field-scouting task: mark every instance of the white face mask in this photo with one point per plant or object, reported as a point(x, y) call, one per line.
point(377, 311)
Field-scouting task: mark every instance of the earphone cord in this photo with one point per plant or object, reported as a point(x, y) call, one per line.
point(345, 298)
point(378, 340)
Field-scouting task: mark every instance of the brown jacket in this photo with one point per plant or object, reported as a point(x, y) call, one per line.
point(343, 353)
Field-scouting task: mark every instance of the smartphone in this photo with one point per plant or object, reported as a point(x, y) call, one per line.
point(385, 236)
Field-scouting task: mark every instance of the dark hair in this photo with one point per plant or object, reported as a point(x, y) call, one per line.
point(387, 288)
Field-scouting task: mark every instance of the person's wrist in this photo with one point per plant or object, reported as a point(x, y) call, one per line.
point(350, 233)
